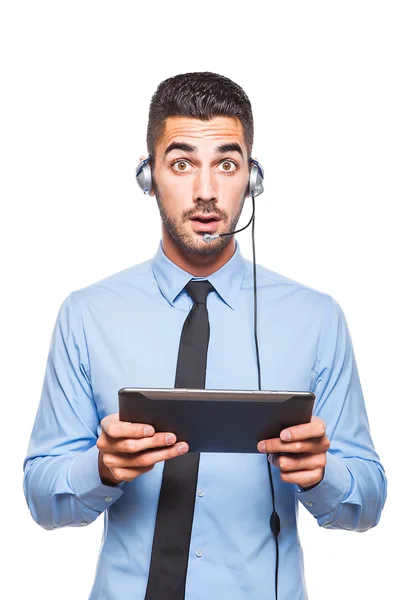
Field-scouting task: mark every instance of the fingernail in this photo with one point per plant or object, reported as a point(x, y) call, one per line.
point(169, 439)
point(286, 435)
point(148, 431)
point(182, 448)
point(270, 458)
point(262, 447)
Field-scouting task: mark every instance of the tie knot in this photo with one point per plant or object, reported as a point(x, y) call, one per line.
point(199, 290)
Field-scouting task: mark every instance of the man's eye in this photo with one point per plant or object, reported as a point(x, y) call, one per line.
point(227, 166)
point(181, 166)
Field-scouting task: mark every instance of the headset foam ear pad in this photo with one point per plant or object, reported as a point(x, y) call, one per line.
point(256, 178)
point(143, 175)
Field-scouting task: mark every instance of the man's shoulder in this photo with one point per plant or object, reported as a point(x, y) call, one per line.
point(286, 287)
point(267, 276)
point(132, 277)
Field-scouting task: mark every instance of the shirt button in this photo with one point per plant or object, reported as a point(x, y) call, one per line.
point(327, 525)
point(199, 553)
point(83, 523)
point(108, 499)
point(200, 493)
point(310, 503)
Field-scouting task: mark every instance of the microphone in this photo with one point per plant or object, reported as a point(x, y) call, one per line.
point(207, 237)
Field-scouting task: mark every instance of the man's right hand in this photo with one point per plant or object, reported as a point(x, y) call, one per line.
point(127, 450)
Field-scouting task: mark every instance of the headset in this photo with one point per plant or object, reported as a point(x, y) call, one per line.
point(255, 188)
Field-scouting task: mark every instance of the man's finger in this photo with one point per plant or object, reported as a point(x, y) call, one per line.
point(147, 458)
point(312, 446)
point(129, 474)
point(300, 462)
point(132, 446)
point(315, 429)
point(303, 478)
point(123, 429)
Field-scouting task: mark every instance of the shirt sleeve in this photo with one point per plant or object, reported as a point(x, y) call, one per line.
point(353, 491)
point(61, 480)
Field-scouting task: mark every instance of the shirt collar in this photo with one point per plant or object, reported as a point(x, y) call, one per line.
point(227, 281)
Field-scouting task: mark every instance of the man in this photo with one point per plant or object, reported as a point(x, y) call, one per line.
point(125, 331)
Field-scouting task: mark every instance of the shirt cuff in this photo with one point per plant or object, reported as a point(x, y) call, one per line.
point(84, 479)
point(325, 497)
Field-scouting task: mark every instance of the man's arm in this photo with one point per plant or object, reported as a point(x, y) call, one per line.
point(332, 460)
point(353, 491)
point(62, 485)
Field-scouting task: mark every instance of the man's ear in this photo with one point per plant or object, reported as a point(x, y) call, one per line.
point(151, 192)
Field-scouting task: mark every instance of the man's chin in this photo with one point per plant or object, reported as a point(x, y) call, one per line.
point(196, 244)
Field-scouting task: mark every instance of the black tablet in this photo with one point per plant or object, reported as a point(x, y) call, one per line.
point(216, 420)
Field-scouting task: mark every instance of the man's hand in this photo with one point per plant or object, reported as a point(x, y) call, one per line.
point(299, 453)
point(127, 450)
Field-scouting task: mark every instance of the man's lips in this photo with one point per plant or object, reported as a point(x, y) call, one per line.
point(205, 223)
point(205, 217)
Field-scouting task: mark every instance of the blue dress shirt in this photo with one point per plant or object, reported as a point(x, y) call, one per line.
point(124, 331)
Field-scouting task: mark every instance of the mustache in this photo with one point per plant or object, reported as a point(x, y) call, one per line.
point(206, 209)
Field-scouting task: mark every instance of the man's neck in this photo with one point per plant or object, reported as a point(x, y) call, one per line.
point(195, 264)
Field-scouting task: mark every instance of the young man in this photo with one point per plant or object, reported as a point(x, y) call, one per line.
point(125, 331)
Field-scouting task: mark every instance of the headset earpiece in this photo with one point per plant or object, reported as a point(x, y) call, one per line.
point(143, 175)
point(256, 178)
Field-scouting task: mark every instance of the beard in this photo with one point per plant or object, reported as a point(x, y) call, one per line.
point(193, 242)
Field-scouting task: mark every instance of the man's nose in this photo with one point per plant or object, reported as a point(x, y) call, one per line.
point(204, 187)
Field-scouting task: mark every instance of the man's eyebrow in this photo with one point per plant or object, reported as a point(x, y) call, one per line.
point(180, 146)
point(230, 148)
point(235, 147)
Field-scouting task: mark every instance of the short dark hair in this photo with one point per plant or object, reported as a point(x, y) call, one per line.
point(202, 95)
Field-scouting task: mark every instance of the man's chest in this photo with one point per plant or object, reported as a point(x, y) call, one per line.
point(138, 346)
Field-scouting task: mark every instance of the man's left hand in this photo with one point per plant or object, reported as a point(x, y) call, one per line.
point(299, 453)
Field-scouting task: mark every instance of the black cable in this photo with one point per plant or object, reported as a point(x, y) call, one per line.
point(252, 219)
point(237, 230)
point(255, 295)
point(274, 519)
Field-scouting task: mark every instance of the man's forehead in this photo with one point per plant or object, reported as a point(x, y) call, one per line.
point(215, 129)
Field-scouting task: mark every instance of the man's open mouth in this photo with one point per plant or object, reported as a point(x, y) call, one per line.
point(205, 223)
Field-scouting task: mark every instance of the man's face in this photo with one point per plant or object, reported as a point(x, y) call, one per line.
point(200, 180)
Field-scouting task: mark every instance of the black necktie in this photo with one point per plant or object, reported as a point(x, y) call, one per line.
point(170, 552)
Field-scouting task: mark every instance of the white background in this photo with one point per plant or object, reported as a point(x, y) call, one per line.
point(77, 78)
